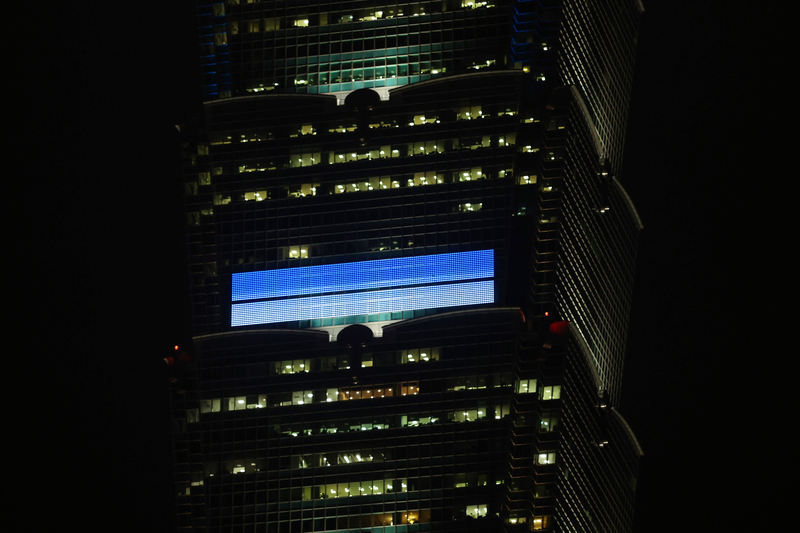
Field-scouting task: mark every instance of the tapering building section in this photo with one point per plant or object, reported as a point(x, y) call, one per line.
point(411, 268)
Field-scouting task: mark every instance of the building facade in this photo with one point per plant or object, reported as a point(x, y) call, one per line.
point(411, 268)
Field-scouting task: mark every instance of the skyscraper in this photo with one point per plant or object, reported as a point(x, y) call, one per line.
point(411, 268)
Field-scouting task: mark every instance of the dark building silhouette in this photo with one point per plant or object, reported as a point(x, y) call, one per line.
point(411, 268)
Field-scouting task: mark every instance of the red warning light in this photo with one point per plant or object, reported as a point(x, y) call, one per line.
point(547, 313)
point(176, 347)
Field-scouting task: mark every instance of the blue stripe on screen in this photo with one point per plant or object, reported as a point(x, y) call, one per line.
point(363, 303)
point(363, 275)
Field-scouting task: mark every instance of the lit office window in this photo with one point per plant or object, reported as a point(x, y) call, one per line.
point(525, 386)
point(545, 458)
point(294, 366)
point(255, 196)
point(478, 510)
point(295, 252)
point(517, 517)
point(551, 392)
point(417, 355)
point(475, 206)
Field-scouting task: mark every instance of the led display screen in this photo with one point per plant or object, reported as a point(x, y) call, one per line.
point(363, 288)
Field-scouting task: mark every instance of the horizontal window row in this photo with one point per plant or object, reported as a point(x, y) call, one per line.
point(328, 77)
point(307, 397)
point(418, 179)
point(367, 74)
point(299, 159)
point(363, 522)
point(343, 458)
point(296, 130)
point(297, 366)
point(360, 15)
point(527, 386)
point(536, 523)
point(355, 488)
point(481, 412)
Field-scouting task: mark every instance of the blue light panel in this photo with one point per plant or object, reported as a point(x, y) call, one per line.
point(364, 287)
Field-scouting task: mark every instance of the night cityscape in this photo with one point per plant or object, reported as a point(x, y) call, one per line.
point(106, 87)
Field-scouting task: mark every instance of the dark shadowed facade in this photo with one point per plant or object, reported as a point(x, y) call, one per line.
point(411, 268)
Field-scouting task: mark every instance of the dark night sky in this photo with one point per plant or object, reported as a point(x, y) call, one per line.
point(103, 256)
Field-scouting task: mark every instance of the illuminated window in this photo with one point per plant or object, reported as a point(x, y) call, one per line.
point(545, 458)
point(551, 392)
point(305, 159)
point(416, 517)
point(541, 522)
point(525, 386)
point(470, 206)
point(470, 112)
point(301, 22)
point(423, 119)
point(294, 366)
point(255, 196)
point(517, 517)
point(211, 406)
point(355, 488)
point(302, 190)
point(204, 178)
point(295, 252)
point(419, 355)
point(479, 510)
